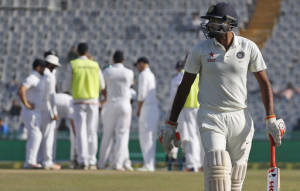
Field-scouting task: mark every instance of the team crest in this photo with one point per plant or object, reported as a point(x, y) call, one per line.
point(240, 54)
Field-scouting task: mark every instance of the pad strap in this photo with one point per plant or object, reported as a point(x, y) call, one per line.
point(217, 169)
point(238, 176)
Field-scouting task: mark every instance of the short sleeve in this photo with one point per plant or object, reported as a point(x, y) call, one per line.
point(142, 88)
point(131, 77)
point(101, 80)
point(257, 62)
point(30, 81)
point(193, 63)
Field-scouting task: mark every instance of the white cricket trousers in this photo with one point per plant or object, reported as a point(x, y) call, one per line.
point(116, 119)
point(31, 120)
point(48, 127)
point(148, 122)
point(190, 138)
point(73, 150)
point(228, 131)
point(86, 124)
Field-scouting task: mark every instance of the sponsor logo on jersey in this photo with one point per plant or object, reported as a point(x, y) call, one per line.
point(211, 57)
point(240, 54)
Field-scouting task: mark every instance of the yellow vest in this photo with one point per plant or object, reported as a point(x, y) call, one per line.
point(192, 99)
point(85, 79)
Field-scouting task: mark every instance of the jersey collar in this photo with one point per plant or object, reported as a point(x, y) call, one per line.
point(118, 65)
point(83, 57)
point(233, 45)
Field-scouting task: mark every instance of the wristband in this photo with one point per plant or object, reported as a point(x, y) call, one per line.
point(270, 116)
point(171, 123)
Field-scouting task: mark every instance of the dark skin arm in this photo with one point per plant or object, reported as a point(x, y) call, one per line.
point(181, 95)
point(103, 92)
point(266, 91)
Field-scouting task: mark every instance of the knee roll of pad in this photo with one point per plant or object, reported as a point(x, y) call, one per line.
point(217, 169)
point(237, 177)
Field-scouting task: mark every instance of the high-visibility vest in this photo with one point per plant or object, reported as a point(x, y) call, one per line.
point(85, 79)
point(192, 99)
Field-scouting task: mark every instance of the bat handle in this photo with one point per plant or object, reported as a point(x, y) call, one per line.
point(272, 152)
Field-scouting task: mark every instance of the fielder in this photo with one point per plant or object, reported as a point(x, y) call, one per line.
point(49, 112)
point(87, 81)
point(147, 112)
point(226, 126)
point(187, 123)
point(116, 115)
point(30, 94)
point(64, 104)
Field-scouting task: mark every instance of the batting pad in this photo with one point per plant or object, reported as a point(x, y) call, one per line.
point(237, 176)
point(217, 170)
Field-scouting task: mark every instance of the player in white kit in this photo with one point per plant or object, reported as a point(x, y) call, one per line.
point(49, 112)
point(65, 110)
point(226, 126)
point(148, 113)
point(187, 123)
point(30, 94)
point(116, 115)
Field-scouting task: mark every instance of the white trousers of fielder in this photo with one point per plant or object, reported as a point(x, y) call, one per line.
point(86, 123)
point(31, 120)
point(48, 127)
point(116, 119)
point(231, 132)
point(190, 138)
point(148, 122)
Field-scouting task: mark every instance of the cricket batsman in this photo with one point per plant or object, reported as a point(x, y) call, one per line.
point(223, 61)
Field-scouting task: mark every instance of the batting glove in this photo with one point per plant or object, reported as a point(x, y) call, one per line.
point(169, 138)
point(275, 128)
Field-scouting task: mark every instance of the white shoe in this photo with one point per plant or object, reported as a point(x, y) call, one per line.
point(128, 168)
point(144, 169)
point(33, 166)
point(53, 167)
point(120, 169)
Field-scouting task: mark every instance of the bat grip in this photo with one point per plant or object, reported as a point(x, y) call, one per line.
point(272, 152)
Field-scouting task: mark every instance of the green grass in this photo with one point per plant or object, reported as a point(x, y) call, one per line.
point(75, 180)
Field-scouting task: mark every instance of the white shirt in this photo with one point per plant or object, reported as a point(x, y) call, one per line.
point(147, 87)
point(68, 82)
point(34, 85)
point(49, 81)
point(118, 80)
point(64, 103)
point(223, 78)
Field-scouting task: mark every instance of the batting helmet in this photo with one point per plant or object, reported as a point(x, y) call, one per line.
point(222, 18)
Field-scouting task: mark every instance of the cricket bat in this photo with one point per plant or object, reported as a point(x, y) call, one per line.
point(273, 181)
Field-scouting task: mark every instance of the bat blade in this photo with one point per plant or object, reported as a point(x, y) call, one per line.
point(273, 181)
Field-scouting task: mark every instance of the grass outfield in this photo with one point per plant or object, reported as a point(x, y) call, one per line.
point(75, 180)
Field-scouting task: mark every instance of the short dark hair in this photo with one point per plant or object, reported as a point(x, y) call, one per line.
point(38, 62)
point(142, 59)
point(118, 56)
point(82, 48)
